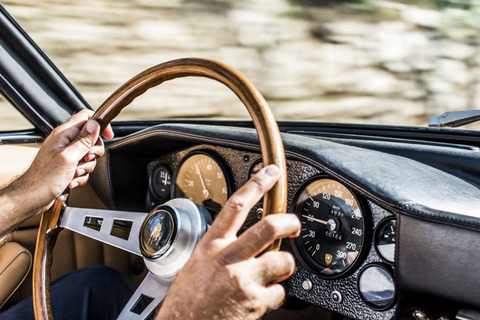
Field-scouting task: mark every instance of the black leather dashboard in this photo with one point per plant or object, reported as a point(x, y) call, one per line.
point(432, 189)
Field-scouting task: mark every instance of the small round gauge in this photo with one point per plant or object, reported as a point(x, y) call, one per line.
point(160, 182)
point(385, 239)
point(333, 227)
point(202, 179)
point(376, 286)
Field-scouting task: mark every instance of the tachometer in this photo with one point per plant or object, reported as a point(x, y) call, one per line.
point(202, 179)
point(333, 227)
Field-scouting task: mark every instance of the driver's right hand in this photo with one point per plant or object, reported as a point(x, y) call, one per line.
point(228, 277)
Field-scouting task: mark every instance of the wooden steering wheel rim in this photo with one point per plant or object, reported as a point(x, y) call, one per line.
point(275, 201)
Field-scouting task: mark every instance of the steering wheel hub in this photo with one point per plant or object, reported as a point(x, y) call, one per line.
point(170, 233)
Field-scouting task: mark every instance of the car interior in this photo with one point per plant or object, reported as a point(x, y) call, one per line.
point(390, 214)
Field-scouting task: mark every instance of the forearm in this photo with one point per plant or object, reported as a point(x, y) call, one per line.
point(18, 202)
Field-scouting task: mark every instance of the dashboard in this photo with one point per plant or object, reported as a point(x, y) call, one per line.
point(336, 254)
point(378, 215)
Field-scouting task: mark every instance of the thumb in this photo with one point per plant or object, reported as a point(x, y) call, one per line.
point(85, 140)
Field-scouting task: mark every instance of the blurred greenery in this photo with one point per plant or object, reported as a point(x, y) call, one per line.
point(456, 13)
point(437, 4)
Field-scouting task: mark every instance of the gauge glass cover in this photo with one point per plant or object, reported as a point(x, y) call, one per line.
point(333, 227)
point(202, 179)
point(385, 239)
point(376, 287)
point(160, 182)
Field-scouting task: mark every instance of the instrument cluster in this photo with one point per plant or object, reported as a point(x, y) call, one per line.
point(346, 249)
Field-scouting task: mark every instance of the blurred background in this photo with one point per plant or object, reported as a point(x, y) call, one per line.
point(361, 61)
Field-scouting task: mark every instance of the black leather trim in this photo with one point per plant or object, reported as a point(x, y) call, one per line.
point(101, 181)
point(437, 268)
point(31, 82)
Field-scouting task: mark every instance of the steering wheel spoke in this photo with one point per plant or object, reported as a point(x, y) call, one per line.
point(146, 298)
point(117, 228)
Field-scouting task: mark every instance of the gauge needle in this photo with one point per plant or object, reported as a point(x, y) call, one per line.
point(206, 194)
point(317, 220)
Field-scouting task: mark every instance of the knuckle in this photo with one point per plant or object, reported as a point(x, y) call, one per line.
point(288, 261)
point(269, 227)
point(236, 203)
point(260, 183)
point(86, 141)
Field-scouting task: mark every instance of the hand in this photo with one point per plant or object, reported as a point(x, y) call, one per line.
point(65, 159)
point(227, 276)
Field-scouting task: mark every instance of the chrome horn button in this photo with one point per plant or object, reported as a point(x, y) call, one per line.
point(158, 232)
point(169, 235)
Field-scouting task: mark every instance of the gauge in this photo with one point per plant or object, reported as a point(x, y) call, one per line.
point(160, 182)
point(376, 286)
point(202, 179)
point(385, 239)
point(333, 227)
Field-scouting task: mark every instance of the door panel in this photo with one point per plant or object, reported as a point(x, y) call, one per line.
point(15, 159)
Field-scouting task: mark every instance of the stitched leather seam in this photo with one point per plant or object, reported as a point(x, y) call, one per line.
point(396, 270)
point(465, 225)
point(176, 134)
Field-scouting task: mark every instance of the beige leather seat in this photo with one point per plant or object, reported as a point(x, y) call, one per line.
point(15, 263)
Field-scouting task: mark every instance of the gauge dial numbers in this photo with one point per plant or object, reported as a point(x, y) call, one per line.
point(332, 237)
point(160, 182)
point(202, 179)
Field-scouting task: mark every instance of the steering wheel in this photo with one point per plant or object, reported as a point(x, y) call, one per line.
point(176, 226)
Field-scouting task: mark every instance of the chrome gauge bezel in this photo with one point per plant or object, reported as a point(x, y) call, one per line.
point(301, 252)
point(217, 159)
point(375, 239)
point(390, 272)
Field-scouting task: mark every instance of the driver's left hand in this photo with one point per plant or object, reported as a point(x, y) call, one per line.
point(65, 159)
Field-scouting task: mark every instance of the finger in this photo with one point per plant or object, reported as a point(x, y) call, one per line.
point(95, 152)
point(253, 241)
point(108, 132)
point(235, 211)
point(274, 296)
point(85, 168)
point(78, 182)
point(72, 127)
point(85, 140)
point(276, 265)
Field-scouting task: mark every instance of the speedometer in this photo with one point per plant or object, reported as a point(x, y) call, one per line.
point(333, 227)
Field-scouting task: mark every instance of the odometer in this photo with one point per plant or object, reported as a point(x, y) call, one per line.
point(333, 227)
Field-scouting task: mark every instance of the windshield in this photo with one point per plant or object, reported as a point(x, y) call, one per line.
point(363, 61)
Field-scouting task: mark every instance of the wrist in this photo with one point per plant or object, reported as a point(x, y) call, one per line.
point(16, 205)
point(32, 197)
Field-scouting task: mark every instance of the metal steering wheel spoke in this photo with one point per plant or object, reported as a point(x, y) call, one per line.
point(117, 228)
point(146, 298)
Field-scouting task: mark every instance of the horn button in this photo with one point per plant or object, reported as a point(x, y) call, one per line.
point(170, 233)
